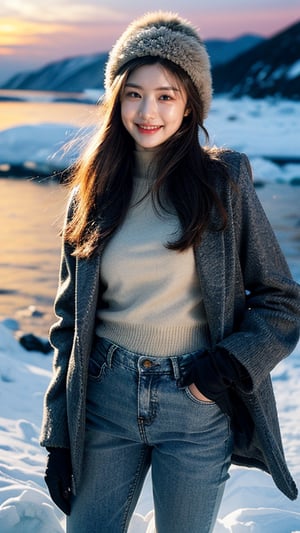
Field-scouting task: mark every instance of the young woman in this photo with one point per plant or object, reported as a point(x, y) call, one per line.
point(174, 304)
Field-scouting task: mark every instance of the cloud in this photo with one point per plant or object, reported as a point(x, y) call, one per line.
point(62, 11)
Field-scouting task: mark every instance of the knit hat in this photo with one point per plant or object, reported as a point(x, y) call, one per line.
point(165, 35)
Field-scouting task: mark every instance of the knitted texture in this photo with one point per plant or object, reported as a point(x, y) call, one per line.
point(165, 35)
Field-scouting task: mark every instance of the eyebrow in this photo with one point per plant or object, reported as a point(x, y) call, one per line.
point(165, 88)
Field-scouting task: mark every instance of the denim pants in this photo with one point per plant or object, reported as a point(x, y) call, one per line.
point(138, 416)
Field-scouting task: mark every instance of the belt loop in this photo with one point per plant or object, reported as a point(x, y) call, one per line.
point(110, 354)
point(176, 368)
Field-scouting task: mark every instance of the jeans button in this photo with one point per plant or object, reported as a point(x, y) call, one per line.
point(147, 363)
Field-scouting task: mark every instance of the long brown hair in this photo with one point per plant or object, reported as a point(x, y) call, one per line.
point(185, 172)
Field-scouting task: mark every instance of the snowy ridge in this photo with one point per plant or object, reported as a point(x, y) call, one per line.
point(272, 68)
point(69, 74)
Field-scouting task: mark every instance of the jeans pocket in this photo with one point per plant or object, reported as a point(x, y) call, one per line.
point(97, 362)
point(202, 401)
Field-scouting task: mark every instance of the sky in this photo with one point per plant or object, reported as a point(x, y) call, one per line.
point(35, 32)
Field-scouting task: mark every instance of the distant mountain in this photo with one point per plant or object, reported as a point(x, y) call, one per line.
point(272, 68)
point(73, 74)
point(86, 72)
point(248, 65)
point(221, 51)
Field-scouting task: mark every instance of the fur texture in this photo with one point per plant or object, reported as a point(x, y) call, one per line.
point(166, 35)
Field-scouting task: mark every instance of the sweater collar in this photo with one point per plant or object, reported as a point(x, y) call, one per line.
point(143, 160)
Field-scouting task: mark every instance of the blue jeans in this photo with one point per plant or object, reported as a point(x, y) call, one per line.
point(138, 416)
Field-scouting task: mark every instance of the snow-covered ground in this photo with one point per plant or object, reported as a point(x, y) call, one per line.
point(251, 503)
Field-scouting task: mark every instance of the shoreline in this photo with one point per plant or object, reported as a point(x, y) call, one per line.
point(24, 171)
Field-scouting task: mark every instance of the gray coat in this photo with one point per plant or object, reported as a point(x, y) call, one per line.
point(253, 310)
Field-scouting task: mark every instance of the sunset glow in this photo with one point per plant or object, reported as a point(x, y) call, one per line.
point(100, 26)
point(15, 33)
point(34, 33)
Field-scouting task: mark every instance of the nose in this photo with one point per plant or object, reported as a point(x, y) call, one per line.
point(147, 108)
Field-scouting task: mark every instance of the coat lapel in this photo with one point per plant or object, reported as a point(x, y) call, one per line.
point(210, 265)
point(88, 279)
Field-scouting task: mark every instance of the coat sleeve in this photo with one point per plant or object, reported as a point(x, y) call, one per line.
point(268, 329)
point(54, 430)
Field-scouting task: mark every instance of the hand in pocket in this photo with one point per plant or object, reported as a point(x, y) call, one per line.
point(195, 392)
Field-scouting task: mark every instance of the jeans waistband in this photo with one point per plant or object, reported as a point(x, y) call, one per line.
point(177, 365)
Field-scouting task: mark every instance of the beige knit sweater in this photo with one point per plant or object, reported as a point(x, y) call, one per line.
point(153, 297)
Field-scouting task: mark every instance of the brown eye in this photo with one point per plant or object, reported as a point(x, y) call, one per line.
point(132, 94)
point(165, 97)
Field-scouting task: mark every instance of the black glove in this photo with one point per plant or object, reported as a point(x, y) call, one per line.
point(58, 477)
point(215, 374)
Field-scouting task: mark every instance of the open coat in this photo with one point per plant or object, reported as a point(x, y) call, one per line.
point(253, 310)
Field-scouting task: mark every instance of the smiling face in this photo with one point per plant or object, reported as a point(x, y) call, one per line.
point(153, 105)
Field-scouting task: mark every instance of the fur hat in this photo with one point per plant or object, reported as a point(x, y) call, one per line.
point(166, 35)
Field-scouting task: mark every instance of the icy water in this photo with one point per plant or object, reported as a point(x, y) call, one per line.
point(39, 107)
point(31, 215)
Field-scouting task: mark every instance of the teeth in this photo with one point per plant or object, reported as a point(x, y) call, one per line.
point(149, 127)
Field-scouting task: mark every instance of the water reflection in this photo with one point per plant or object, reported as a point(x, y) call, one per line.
point(30, 246)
